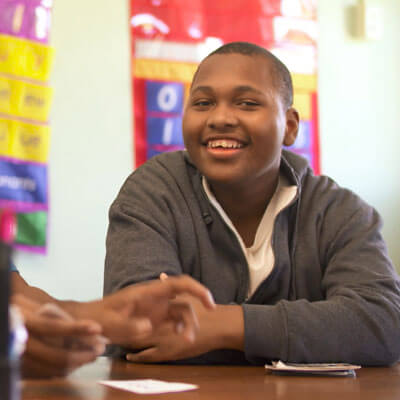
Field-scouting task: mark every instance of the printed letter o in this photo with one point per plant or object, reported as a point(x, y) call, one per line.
point(167, 98)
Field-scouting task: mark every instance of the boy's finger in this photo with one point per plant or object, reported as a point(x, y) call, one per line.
point(163, 276)
point(186, 322)
point(177, 285)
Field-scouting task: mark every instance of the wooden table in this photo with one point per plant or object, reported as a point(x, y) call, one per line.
point(215, 382)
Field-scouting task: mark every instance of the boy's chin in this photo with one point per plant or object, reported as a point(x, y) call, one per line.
point(225, 178)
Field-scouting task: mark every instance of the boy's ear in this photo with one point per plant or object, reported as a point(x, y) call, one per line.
point(292, 126)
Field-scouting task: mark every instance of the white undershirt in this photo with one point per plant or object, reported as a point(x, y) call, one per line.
point(260, 257)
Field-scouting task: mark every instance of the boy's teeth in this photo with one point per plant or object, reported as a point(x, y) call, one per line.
point(225, 144)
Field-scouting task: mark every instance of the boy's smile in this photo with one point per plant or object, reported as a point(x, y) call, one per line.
point(225, 147)
point(235, 122)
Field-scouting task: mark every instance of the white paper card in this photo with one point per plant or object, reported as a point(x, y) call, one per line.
point(328, 369)
point(149, 386)
point(281, 366)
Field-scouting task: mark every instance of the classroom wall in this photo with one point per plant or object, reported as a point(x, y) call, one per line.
point(359, 87)
point(91, 148)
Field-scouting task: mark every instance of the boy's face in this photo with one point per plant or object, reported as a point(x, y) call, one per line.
point(235, 122)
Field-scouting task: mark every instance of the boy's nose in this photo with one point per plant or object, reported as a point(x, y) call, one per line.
point(222, 117)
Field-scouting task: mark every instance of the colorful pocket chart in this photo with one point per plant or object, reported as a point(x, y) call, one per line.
point(25, 104)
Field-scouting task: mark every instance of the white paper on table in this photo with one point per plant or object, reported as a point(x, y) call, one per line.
point(321, 367)
point(326, 369)
point(149, 386)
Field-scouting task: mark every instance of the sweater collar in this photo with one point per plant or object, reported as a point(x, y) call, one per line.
point(294, 167)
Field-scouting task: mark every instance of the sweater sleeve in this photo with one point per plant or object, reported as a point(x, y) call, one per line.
point(357, 320)
point(141, 237)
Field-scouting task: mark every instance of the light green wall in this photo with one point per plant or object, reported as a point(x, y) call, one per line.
point(359, 89)
point(91, 130)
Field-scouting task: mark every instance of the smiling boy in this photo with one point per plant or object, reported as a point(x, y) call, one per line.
point(296, 263)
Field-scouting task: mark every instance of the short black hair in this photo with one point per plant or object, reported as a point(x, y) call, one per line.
point(281, 74)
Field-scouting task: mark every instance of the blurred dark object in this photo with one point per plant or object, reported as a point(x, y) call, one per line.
point(9, 368)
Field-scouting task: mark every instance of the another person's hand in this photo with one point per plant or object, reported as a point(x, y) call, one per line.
point(57, 343)
point(132, 313)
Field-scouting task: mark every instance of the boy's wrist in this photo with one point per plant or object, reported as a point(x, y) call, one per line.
point(229, 321)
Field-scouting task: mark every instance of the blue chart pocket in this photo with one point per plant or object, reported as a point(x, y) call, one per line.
point(163, 97)
point(165, 131)
point(23, 182)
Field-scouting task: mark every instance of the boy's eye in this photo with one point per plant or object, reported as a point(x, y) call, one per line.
point(202, 103)
point(248, 103)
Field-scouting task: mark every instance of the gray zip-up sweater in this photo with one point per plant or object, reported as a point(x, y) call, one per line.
point(332, 296)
